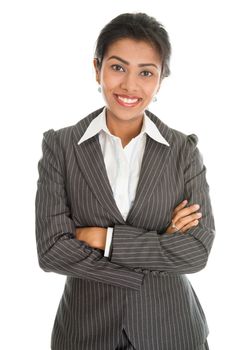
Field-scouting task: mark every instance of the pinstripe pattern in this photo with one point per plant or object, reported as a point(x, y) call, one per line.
point(142, 288)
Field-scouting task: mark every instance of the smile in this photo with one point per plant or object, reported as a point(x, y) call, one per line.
point(127, 101)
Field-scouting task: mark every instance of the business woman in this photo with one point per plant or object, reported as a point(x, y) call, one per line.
point(123, 208)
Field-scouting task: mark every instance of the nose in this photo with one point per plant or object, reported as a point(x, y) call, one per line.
point(129, 82)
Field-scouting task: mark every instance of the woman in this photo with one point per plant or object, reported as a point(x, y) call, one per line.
point(123, 209)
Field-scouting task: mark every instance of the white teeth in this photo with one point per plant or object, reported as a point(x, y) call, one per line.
point(127, 100)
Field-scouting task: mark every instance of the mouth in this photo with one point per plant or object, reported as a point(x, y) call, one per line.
point(127, 101)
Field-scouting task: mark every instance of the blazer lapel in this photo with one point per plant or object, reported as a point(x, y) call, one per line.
point(156, 156)
point(91, 163)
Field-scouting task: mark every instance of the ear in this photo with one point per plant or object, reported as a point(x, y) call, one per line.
point(97, 70)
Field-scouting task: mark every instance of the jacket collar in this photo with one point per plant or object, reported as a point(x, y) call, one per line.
point(91, 163)
point(99, 123)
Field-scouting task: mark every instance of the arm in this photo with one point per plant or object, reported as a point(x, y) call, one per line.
point(182, 220)
point(58, 249)
point(177, 253)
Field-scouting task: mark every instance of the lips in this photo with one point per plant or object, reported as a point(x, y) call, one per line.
point(127, 101)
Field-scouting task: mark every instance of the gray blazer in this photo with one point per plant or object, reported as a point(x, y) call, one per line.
point(142, 288)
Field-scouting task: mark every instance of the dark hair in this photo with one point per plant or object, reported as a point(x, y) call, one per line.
point(138, 26)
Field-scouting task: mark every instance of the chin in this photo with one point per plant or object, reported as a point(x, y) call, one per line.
point(125, 114)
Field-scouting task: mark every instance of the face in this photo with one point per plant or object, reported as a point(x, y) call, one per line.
point(129, 77)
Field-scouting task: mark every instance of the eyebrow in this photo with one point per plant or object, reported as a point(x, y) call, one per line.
point(127, 63)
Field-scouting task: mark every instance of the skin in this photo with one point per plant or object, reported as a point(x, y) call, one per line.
point(132, 69)
point(122, 74)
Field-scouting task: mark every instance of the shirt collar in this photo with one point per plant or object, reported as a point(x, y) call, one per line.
point(99, 123)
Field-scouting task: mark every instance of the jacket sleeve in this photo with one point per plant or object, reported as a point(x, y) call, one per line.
point(176, 253)
point(58, 249)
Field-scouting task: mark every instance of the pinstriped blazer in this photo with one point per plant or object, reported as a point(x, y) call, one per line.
point(142, 287)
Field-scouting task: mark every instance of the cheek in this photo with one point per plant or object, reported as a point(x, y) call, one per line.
point(111, 80)
point(108, 80)
point(151, 90)
point(110, 85)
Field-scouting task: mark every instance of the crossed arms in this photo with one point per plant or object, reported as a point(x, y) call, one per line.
point(78, 252)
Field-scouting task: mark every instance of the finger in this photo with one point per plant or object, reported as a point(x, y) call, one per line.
point(172, 229)
point(180, 206)
point(185, 212)
point(77, 234)
point(190, 225)
point(184, 224)
point(187, 219)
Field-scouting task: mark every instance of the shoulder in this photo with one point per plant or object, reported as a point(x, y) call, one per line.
point(68, 134)
point(174, 137)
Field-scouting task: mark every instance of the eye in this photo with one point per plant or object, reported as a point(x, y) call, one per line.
point(117, 68)
point(146, 73)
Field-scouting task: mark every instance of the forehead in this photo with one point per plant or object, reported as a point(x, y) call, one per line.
point(132, 50)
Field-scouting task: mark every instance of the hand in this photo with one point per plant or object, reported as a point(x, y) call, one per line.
point(95, 237)
point(183, 218)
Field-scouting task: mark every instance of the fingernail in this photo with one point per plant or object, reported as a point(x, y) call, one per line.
point(199, 215)
point(196, 206)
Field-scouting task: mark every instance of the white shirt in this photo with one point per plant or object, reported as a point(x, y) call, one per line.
point(122, 164)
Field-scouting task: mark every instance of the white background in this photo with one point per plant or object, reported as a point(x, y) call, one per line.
point(47, 81)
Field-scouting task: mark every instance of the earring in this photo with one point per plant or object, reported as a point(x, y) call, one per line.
point(99, 89)
point(155, 98)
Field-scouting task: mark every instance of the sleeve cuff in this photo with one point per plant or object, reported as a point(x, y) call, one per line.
point(108, 241)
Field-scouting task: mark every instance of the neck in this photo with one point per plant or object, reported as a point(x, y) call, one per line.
point(124, 129)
